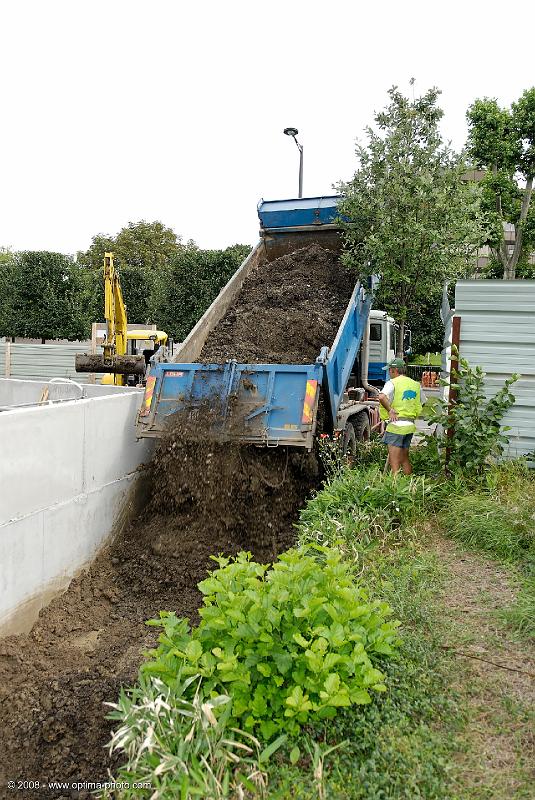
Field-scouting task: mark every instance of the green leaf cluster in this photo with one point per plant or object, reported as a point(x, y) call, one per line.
point(52, 296)
point(189, 283)
point(285, 642)
point(164, 281)
point(479, 438)
point(501, 141)
point(411, 217)
point(41, 296)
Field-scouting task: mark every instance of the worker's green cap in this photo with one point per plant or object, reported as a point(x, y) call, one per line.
point(396, 362)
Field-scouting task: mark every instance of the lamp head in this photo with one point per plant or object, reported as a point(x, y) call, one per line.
point(291, 131)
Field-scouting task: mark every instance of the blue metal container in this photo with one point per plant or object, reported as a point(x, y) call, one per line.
point(265, 404)
point(298, 213)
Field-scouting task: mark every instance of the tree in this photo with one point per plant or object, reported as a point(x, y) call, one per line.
point(142, 250)
point(6, 281)
point(43, 294)
point(502, 142)
point(410, 216)
point(145, 245)
point(6, 256)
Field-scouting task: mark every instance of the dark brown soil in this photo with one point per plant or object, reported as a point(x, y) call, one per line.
point(286, 312)
point(207, 498)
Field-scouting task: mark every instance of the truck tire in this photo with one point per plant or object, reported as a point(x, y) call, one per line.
point(361, 424)
point(349, 442)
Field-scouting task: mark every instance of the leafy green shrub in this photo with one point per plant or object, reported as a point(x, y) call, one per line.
point(400, 746)
point(478, 436)
point(284, 642)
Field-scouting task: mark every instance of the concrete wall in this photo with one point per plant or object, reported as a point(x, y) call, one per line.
point(15, 392)
point(67, 472)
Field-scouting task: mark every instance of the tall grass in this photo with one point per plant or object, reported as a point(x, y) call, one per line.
point(498, 518)
point(364, 508)
point(485, 523)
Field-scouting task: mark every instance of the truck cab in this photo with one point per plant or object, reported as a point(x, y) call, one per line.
point(382, 347)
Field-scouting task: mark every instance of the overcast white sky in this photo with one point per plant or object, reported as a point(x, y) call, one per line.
point(120, 110)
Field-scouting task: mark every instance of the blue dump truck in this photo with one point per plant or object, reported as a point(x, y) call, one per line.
point(277, 404)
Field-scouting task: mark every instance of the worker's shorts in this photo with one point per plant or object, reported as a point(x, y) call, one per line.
point(398, 439)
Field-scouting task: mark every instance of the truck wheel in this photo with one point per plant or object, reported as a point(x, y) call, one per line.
point(349, 443)
point(361, 424)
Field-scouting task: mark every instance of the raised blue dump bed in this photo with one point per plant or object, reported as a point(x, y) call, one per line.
point(264, 404)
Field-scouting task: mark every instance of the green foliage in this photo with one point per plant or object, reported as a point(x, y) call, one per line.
point(398, 747)
point(147, 246)
point(6, 283)
point(520, 617)
point(41, 297)
point(484, 523)
point(163, 281)
point(6, 256)
point(479, 438)
point(412, 218)
point(178, 742)
point(496, 517)
point(141, 251)
point(189, 283)
point(362, 507)
point(502, 142)
point(435, 359)
point(286, 643)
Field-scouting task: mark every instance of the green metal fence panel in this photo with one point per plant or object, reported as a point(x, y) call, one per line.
point(45, 361)
point(498, 334)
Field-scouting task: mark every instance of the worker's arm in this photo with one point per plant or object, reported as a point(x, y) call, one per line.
point(385, 402)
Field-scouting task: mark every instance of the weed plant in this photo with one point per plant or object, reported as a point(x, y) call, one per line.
point(179, 745)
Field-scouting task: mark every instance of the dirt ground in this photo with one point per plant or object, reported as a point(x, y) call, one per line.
point(207, 499)
point(496, 678)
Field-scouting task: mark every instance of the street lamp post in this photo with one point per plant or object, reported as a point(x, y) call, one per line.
point(293, 132)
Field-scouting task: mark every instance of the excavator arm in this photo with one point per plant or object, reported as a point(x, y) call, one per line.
point(114, 359)
point(114, 311)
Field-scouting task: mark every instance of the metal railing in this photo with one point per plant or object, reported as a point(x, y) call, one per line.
point(416, 371)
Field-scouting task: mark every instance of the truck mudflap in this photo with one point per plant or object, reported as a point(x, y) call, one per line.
point(264, 404)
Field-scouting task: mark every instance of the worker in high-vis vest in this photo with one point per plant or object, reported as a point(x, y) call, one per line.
point(401, 401)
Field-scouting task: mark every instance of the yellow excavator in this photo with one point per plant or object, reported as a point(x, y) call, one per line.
point(120, 362)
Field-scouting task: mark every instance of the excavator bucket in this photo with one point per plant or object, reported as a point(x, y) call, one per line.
point(117, 365)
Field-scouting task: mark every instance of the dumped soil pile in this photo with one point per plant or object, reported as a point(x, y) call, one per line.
point(206, 499)
point(286, 311)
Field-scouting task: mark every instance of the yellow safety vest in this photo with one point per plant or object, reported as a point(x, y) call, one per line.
point(407, 403)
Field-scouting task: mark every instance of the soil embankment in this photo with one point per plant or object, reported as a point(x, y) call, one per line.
point(206, 499)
